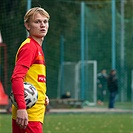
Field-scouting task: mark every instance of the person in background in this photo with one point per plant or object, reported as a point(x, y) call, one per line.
point(30, 67)
point(102, 86)
point(66, 95)
point(113, 88)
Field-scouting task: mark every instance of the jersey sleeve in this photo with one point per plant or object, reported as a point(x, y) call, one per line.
point(25, 58)
point(17, 85)
point(26, 55)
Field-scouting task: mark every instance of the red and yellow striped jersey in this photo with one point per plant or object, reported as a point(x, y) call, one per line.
point(30, 54)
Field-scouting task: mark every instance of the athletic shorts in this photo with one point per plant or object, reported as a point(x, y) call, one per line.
point(32, 127)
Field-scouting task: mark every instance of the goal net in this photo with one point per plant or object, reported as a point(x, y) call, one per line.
point(70, 80)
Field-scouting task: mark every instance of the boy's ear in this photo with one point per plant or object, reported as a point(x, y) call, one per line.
point(27, 26)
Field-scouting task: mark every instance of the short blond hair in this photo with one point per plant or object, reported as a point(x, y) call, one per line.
point(31, 12)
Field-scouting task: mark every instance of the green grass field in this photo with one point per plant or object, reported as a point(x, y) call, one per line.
point(79, 123)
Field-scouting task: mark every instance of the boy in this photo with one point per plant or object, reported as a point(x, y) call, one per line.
point(30, 67)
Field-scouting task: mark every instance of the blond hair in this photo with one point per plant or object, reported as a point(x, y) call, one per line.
point(31, 12)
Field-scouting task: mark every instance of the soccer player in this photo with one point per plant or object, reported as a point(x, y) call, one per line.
point(30, 67)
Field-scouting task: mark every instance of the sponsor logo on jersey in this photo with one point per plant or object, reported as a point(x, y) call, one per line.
point(41, 78)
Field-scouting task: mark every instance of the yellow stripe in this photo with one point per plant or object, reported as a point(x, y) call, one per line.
point(26, 41)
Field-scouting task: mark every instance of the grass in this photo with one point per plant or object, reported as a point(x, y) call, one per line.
point(5, 123)
point(88, 123)
point(79, 123)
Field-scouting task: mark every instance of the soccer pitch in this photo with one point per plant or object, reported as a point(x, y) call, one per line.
point(80, 123)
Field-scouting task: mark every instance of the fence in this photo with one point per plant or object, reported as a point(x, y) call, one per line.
point(79, 31)
point(132, 84)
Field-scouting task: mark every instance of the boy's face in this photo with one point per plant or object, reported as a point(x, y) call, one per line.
point(38, 26)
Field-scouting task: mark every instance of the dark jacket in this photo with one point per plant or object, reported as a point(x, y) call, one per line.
point(112, 83)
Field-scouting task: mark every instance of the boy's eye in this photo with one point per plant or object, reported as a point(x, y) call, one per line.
point(37, 21)
point(45, 21)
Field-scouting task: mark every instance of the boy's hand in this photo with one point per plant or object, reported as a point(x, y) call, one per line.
point(22, 118)
point(46, 101)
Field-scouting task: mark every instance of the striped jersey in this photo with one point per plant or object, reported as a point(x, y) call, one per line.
point(30, 54)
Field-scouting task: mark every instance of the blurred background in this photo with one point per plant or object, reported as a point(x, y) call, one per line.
point(84, 38)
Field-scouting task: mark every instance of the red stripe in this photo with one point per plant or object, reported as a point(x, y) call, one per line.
point(39, 62)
